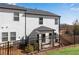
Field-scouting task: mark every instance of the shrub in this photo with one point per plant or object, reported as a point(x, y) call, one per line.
point(29, 48)
point(36, 46)
point(67, 32)
point(21, 46)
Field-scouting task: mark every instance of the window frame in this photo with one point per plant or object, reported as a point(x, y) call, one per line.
point(16, 16)
point(4, 36)
point(43, 38)
point(40, 20)
point(56, 21)
point(56, 37)
point(12, 35)
point(50, 36)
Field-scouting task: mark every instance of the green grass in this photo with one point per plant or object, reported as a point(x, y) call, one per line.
point(65, 51)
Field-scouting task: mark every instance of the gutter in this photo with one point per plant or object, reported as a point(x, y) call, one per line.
point(42, 14)
point(12, 8)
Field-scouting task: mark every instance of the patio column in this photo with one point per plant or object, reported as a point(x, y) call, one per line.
point(52, 40)
point(47, 38)
point(40, 41)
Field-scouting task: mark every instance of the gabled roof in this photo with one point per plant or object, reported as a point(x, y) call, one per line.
point(40, 12)
point(39, 29)
point(28, 10)
point(43, 28)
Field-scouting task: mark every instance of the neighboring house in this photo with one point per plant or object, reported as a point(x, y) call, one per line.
point(17, 22)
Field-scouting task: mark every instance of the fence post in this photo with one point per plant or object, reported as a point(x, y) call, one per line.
point(8, 48)
point(37, 45)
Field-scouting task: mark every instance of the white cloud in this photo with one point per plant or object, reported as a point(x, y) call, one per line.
point(12, 3)
point(72, 5)
point(74, 9)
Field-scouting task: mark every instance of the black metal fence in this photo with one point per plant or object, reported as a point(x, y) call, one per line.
point(69, 39)
point(10, 48)
point(18, 47)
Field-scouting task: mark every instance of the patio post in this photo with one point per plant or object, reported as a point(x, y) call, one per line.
point(40, 46)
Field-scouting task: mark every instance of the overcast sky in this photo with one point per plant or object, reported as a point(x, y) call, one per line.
point(68, 12)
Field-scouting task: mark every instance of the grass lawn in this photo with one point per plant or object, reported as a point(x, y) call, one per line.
point(65, 51)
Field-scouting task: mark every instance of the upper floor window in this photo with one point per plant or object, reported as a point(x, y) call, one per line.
point(40, 20)
point(16, 16)
point(56, 21)
point(4, 36)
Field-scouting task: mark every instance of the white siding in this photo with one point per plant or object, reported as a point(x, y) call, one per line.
point(7, 20)
point(32, 22)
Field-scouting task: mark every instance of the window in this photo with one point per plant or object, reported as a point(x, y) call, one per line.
point(13, 36)
point(16, 16)
point(50, 35)
point(37, 38)
point(41, 20)
point(4, 36)
point(56, 37)
point(56, 21)
point(43, 38)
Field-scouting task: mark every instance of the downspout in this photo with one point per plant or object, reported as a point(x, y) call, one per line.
point(59, 33)
point(53, 39)
point(25, 24)
point(38, 38)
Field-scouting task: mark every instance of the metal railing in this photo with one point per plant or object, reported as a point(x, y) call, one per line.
point(18, 47)
point(10, 48)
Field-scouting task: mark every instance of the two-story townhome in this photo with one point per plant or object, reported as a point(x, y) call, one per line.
point(18, 23)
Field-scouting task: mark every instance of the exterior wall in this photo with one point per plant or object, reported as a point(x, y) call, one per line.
point(32, 22)
point(47, 41)
point(7, 20)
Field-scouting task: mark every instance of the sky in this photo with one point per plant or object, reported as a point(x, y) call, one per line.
point(69, 12)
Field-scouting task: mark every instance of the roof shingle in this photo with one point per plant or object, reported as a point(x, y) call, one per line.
point(29, 10)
